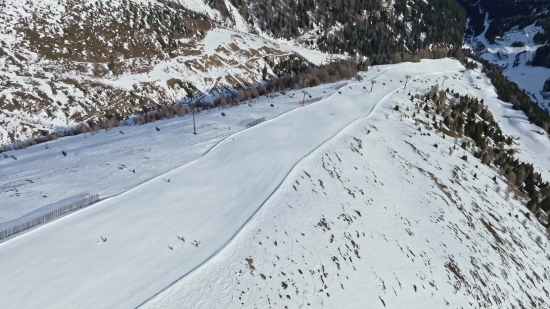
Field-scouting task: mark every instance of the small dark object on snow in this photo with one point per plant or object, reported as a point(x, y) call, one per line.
point(13, 157)
point(223, 114)
point(157, 128)
point(364, 87)
point(64, 153)
point(167, 180)
point(121, 132)
point(104, 239)
point(384, 84)
point(340, 92)
point(170, 248)
point(134, 171)
point(271, 105)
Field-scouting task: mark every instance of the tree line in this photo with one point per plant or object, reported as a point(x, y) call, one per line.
point(469, 117)
point(505, 15)
point(509, 91)
point(360, 27)
point(294, 73)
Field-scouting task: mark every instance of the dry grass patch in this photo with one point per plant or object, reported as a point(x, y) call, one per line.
point(250, 264)
point(491, 230)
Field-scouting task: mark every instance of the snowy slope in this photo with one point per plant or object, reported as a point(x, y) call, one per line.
point(533, 147)
point(379, 216)
point(514, 59)
point(338, 204)
point(104, 163)
point(69, 61)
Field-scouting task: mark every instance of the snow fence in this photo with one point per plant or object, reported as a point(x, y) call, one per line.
point(255, 122)
point(310, 100)
point(42, 215)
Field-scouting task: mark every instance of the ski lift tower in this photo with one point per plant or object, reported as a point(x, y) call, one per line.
point(193, 112)
point(407, 78)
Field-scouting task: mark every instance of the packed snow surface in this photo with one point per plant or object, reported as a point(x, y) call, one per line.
point(333, 205)
point(104, 163)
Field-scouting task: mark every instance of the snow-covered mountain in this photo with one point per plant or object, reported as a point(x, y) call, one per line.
point(385, 215)
point(356, 199)
point(64, 62)
point(70, 61)
point(514, 52)
point(514, 36)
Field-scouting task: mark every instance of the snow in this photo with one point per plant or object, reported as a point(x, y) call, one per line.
point(410, 241)
point(269, 194)
point(529, 78)
point(240, 24)
point(223, 59)
point(102, 163)
point(534, 147)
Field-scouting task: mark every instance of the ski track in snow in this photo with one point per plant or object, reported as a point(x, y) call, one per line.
point(284, 212)
point(184, 293)
point(275, 190)
point(100, 157)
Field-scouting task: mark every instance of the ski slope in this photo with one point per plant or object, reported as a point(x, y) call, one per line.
point(380, 218)
point(209, 200)
point(266, 186)
point(104, 163)
point(533, 147)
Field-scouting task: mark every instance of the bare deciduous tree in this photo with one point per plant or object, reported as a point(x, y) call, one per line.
point(511, 180)
point(520, 176)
